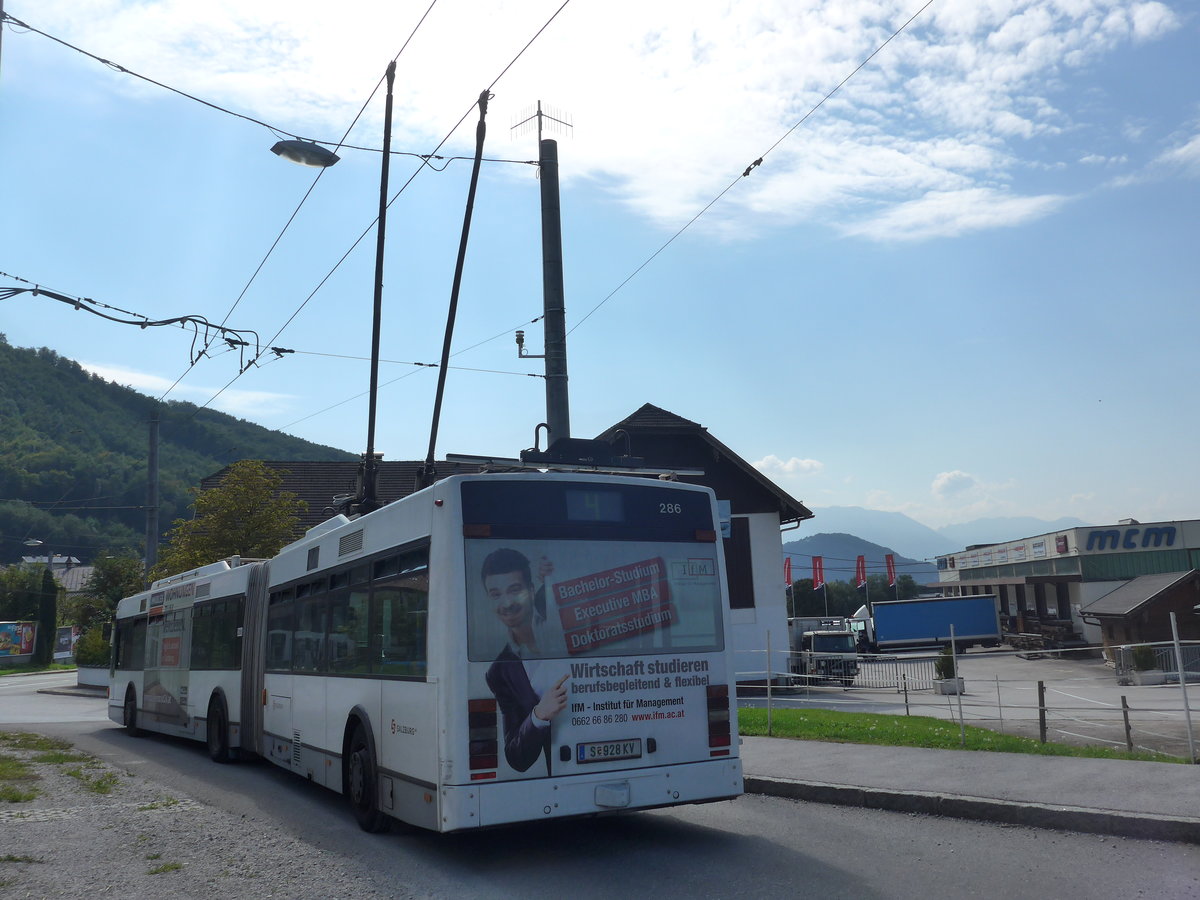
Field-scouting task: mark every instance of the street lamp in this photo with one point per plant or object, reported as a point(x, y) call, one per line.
point(306, 153)
point(367, 500)
point(34, 542)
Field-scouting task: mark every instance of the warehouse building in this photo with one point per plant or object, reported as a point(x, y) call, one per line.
point(1056, 584)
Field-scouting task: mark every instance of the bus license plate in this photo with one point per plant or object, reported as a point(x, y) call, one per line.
point(603, 751)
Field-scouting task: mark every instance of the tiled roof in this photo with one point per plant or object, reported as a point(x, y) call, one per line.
point(653, 420)
point(653, 417)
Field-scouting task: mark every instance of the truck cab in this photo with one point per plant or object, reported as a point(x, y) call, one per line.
point(826, 657)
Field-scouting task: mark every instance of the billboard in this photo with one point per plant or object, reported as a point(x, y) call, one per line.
point(17, 638)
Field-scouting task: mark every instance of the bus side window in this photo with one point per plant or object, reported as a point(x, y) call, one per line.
point(400, 607)
point(202, 636)
point(137, 645)
point(279, 634)
point(308, 635)
point(348, 649)
point(226, 650)
point(131, 644)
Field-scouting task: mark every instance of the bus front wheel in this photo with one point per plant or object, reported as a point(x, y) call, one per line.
point(361, 784)
point(218, 732)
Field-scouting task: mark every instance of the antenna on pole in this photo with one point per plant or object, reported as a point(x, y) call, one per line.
point(554, 120)
point(558, 410)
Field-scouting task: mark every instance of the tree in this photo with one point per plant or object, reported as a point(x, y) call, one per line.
point(841, 598)
point(112, 578)
point(47, 619)
point(20, 590)
point(245, 515)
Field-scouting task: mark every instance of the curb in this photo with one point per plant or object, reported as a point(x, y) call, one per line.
point(1035, 815)
point(77, 691)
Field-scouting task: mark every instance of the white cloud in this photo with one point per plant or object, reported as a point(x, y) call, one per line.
point(1185, 157)
point(793, 467)
point(947, 485)
point(666, 114)
point(233, 401)
point(947, 213)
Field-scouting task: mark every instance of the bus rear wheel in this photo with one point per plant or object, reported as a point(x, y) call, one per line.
point(361, 784)
point(129, 713)
point(218, 732)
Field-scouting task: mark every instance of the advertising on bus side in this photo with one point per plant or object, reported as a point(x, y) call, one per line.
point(598, 654)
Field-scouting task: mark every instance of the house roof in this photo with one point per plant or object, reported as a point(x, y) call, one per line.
point(653, 420)
point(1133, 595)
point(319, 482)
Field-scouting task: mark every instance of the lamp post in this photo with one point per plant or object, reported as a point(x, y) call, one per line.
point(310, 154)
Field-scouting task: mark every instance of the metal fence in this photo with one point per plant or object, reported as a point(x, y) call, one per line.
point(1126, 657)
point(899, 673)
point(1072, 696)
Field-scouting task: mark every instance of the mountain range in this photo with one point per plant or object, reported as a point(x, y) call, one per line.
point(908, 537)
point(73, 474)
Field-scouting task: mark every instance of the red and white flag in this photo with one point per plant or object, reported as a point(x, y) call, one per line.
point(890, 559)
point(860, 572)
point(787, 571)
point(818, 573)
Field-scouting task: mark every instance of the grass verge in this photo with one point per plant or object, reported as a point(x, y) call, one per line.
point(912, 731)
point(16, 780)
point(17, 776)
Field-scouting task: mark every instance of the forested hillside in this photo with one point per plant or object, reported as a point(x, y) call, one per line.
point(73, 451)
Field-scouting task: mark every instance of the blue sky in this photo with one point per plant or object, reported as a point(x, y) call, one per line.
point(964, 286)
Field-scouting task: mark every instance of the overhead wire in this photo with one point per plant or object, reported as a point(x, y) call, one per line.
point(304, 199)
point(274, 129)
point(234, 337)
point(424, 163)
point(427, 365)
point(750, 168)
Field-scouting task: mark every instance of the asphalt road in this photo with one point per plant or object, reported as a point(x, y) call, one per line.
point(751, 847)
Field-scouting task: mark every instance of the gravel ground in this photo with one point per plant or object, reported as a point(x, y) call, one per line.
point(138, 841)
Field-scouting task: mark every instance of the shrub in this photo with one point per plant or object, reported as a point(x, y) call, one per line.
point(1143, 658)
point(943, 666)
point(92, 649)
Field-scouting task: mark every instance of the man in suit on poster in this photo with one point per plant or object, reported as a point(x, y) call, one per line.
point(520, 679)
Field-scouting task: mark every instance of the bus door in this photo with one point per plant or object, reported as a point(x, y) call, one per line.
point(165, 687)
point(278, 678)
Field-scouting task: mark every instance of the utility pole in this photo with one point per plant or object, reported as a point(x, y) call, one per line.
point(558, 409)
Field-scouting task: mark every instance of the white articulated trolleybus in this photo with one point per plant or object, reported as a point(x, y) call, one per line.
point(495, 648)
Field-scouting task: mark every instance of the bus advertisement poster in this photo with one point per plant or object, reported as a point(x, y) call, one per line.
point(594, 647)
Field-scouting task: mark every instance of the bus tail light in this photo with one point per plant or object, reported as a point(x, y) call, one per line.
point(718, 720)
point(483, 737)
